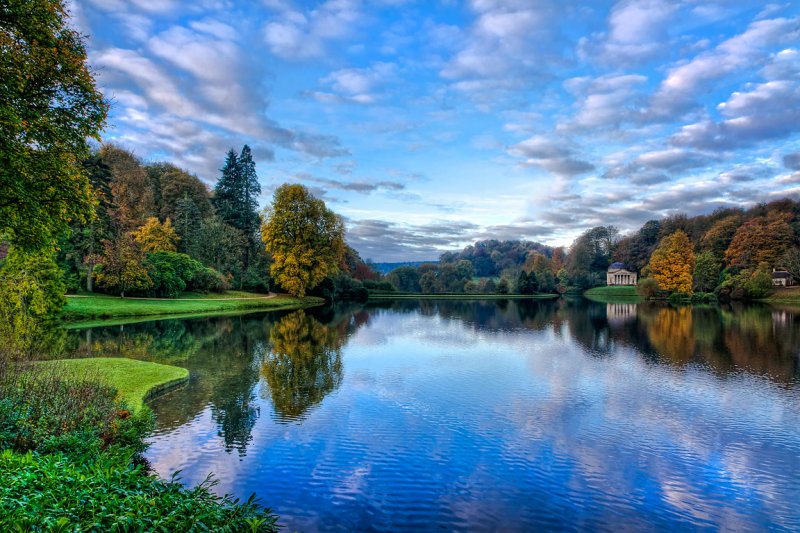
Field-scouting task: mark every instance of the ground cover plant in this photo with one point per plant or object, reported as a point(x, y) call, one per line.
point(71, 461)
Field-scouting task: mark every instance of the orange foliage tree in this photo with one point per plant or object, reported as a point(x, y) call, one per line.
point(673, 262)
point(760, 240)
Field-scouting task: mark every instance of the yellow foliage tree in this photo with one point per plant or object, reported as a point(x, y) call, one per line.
point(155, 236)
point(672, 263)
point(305, 238)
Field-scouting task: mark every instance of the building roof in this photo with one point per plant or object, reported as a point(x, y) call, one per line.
point(616, 266)
point(781, 274)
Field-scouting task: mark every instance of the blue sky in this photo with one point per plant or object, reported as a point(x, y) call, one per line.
point(431, 124)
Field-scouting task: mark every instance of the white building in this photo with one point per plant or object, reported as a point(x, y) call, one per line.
point(618, 275)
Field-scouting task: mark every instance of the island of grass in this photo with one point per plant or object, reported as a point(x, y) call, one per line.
point(135, 381)
point(613, 294)
point(85, 306)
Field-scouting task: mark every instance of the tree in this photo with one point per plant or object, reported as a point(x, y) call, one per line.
point(177, 185)
point(187, 226)
point(502, 286)
point(155, 236)
point(672, 263)
point(719, 235)
point(791, 262)
point(122, 267)
point(235, 196)
point(706, 271)
point(221, 246)
point(49, 108)
point(405, 279)
point(760, 240)
point(544, 278)
point(130, 186)
point(305, 238)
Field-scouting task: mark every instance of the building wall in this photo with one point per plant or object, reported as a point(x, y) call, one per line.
point(621, 277)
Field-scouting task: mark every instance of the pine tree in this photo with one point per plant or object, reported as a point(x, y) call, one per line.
point(225, 194)
point(248, 210)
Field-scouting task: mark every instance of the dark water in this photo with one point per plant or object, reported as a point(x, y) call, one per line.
point(518, 415)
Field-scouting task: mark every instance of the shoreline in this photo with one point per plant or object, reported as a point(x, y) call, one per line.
point(83, 308)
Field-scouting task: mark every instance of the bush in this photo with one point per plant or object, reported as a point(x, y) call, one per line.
point(69, 462)
point(648, 288)
point(171, 273)
point(208, 280)
point(382, 286)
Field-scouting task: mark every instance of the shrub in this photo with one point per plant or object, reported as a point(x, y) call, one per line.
point(648, 288)
point(171, 273)
point(208, 280)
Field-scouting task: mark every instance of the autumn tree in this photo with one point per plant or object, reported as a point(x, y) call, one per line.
point(305, 238)
point(130, 186)
point(760, 240)
point(49, 109)
point(122, 269)
point(156, 236)
point(171, 184)
point(719, 235)
point(791, 262)
point(672, 263)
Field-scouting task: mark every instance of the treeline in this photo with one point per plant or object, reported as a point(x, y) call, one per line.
point(158, 230)
point(730, 252)
point(487, 267)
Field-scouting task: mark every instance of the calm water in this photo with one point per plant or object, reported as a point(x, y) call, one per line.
point(517, 415)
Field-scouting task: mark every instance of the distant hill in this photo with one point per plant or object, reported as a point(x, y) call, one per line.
point(385, 268)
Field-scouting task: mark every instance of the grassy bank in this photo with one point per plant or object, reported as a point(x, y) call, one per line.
point(788, 295)
point(102, 306)
point(136, 381)
point(612, 294)
point(70, 457)
point(419, 296)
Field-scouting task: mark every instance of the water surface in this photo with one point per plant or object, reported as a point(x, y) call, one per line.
point(498, 415)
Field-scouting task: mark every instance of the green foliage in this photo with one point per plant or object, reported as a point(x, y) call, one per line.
point(123, 268)
point(791, 262)
point(747, 284)
point(209, 280)
point(405, 279)
point(706, 272)
point(502, 287)
point(50, 107)
point(648, 288)
point(172, 273)
point(68, 464)
point(31, 295)
point(491, 257)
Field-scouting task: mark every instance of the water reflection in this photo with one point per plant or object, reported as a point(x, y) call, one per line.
point(303, 365)
point(486, 415)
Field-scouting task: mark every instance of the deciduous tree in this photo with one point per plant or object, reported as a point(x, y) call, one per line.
point(122, 269)
point(49, 109)
point(155, 236)
point(305, 238)
point(673, 262)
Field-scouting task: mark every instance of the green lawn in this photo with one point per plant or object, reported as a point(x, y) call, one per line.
point(133, 379)
point(613, 293)
point(102, 306)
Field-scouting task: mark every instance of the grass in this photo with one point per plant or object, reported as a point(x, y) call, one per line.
point(134, 380)
point(613, 293)
point(103, 306)
point(421, 296)
point(788, 295)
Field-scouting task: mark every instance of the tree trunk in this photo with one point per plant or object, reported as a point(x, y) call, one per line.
point(90, 277)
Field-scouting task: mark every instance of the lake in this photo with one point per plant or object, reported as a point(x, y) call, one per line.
point(512, 415)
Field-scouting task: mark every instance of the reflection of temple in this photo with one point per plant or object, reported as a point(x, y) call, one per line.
point(782, 318)
point(619, 314)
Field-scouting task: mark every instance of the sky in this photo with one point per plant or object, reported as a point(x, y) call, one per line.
point(431, 124)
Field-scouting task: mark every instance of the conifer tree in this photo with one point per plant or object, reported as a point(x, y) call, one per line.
point(187, 226)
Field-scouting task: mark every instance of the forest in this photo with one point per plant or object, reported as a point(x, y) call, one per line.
point(730, 253)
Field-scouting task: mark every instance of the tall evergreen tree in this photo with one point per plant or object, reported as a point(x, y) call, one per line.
point(250, 189)
point(225, 193)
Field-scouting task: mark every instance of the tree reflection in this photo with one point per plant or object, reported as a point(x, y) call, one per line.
point(671, 333)
point(304, 365)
